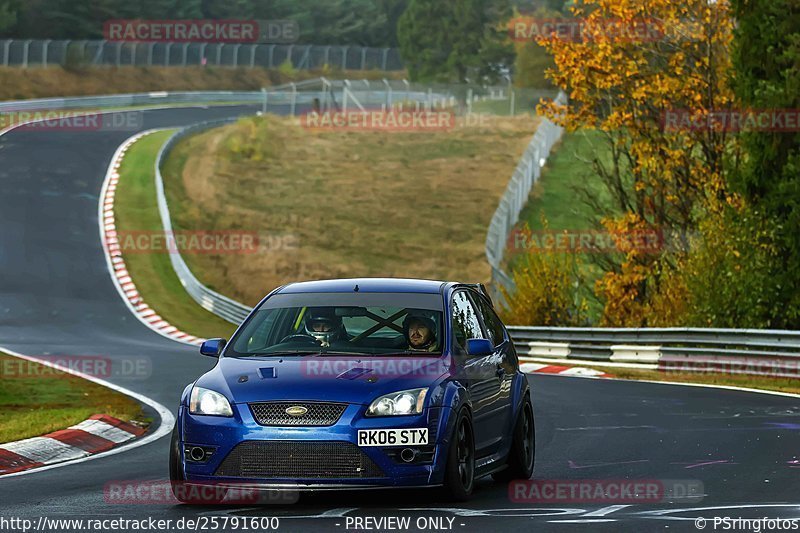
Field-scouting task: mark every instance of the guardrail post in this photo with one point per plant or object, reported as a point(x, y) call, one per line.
point(166, 57)
point(469, 101)
point(184, 54)
point(293, 107)
point(265, 95)
point(45, 50)
point(25, 50)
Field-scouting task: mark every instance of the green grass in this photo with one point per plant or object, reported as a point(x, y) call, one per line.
point(136, 210)
point(558, 200)
point(35, 400)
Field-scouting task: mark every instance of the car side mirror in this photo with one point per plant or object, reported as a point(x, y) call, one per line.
point(213, 347)
point(479, 347)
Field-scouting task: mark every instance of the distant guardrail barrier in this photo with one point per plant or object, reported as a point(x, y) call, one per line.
point(26, 53)
point(774, 353)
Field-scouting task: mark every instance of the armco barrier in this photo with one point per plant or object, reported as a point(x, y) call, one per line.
point(773, 353)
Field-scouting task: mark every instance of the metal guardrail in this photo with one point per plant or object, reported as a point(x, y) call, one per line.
point(516, 194)
point(774, 353)
point(26, 53)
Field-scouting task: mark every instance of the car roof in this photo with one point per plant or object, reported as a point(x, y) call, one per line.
point(366, 285)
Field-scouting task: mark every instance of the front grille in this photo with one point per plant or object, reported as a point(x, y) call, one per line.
point(317, 414)
point(298, 460)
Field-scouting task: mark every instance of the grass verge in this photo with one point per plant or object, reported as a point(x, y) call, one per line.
point(331, 204)
point(136, 211)
point(35, 399)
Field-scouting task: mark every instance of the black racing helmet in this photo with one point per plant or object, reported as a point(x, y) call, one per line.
point(323, 324)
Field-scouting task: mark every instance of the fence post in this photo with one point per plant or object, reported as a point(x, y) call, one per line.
point(264, 93)
point(7, 51)
point(45, 50)
point(327, 55)
point(513, 101)
point(25, 49)
point(363, 58)
point(270, 63)
point(184, 54)
point(219, 53)
point(236, 54)
point(166, 57)
point(430, 99)
point(389, 102)
point(344, 57)
point(408, 90)
point(133, 53)
point(118, 54)
point(150, 54)
point(469, 101)
point(203, 53)
point(253, 55)
point(385, 58)
point(293, 107)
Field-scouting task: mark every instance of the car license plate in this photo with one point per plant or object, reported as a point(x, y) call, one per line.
point(393, 437)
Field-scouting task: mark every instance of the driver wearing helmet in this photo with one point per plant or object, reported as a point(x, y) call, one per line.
point(420, 332)
point(325, 326)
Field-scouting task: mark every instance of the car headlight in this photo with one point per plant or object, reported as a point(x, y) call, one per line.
point(209, 402)
point(406, 402)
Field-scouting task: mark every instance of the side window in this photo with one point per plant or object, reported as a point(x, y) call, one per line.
point(494, 325)
point(465, 322)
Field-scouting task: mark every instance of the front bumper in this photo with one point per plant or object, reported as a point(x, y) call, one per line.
point(310, 458)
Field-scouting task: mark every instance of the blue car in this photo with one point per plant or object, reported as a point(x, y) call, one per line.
point(354, 384)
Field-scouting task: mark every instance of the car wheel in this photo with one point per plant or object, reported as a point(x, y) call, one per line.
point(460, 469)
point(523, 449)
point(187, 492)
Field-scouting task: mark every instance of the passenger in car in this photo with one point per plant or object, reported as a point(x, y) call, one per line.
point(420, 332)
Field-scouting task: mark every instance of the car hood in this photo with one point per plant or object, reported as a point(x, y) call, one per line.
point(327, 378)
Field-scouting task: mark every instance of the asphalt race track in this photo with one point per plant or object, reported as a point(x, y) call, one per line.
point(56, 297)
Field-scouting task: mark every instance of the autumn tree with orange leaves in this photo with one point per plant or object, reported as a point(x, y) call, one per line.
point(640, 72)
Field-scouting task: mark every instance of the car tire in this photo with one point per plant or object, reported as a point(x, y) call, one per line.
point(459, 479)
point(522, 456)
point(188, 492)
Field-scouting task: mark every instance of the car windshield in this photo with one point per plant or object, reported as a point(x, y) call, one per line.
point(343, 324)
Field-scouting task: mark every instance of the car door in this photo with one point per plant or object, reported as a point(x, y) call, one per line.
point(479, 374)
point(505, 359)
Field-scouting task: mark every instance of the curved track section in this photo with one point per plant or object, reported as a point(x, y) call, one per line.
point(56, 297)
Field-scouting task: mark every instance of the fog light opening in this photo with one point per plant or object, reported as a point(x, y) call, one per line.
point(197, 454)
point(409, 455)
